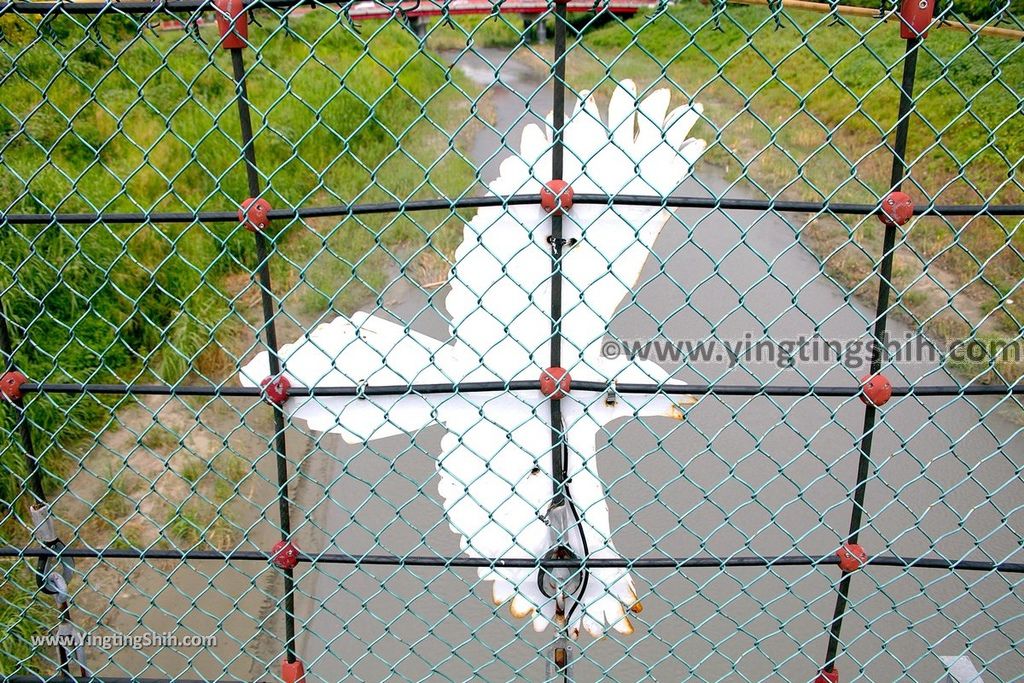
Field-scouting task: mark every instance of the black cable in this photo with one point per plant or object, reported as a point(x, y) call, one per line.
point(414, 205)
point(462, 561)
point(820, 390)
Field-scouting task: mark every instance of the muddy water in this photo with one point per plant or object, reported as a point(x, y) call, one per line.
point(740, 476)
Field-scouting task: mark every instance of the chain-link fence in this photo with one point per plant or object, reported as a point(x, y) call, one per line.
point(317, 369)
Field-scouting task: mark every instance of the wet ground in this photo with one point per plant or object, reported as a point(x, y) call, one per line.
point(741, 476)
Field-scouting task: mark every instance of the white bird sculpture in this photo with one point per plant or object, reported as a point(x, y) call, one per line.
point(495, 469)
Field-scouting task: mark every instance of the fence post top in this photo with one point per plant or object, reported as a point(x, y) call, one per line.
point(10, 385)
point(232, 23)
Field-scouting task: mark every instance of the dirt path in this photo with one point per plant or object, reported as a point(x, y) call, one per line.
point(188, 473)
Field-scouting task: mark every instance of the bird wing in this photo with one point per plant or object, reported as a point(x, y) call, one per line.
point(500, 288)
point(363, 350)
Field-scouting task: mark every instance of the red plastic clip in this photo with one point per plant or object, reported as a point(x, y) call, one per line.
point(253, 214)
point(556, 197)
point(555, 383)
point(897, 209)
point(10, 385)
point(851, 557)
point(293, 672)
point(877, 389)
point(828, 676)
point(232, 23)
point(276, 389)
point(915, 16)
point(285, 555)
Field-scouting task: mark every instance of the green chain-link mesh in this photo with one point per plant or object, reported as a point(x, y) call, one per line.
point(173, 500)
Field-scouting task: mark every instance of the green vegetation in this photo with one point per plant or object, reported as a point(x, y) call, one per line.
point(990, 358)
point(117, 118)
point(467, 30)
point(108, 119)
point(807, 112)
point(23, 615)
point(117, 501)
point(978, 10)
point(187, 527)
point(111, 119)
point(803, 112)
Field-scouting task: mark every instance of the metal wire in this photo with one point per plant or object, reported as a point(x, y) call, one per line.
point(715, 203)
point(131, 307)
point(462, 561)
point(524, 385)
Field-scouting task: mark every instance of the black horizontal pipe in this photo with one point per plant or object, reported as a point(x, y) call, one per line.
point(62, 678)
point(800, 390)
point(460, 561)
point(522, 385)
point(794, 206)
point(720, 203)
point(190, 6)
point(215, 390)
point(145, 7)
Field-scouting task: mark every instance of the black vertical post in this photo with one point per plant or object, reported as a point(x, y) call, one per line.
point(899, 165)
point(35, 477)
point(34, 473)
point(559, 463)
point(562, 659)
point(270, 332)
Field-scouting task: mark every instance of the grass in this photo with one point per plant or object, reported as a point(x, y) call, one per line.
point(470, 31)
point(193, 470)
point(24, 615)
point(117, 501)
point(187, 527)
point(989, 358)
point(105, 120)
point(200, 522)
point(160, 438)
point(119, 119)
point(803, 113)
